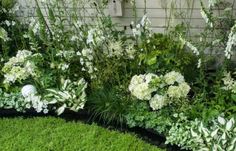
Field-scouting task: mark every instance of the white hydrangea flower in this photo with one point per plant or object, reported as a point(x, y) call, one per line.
point(137, 79)
point(172, 77)
point(178, 92)
point(22, 54)
point(157, 102)
point(142, 91)
point(149, 77)
point(184, 89)
point(139, 86)
point(174, 92)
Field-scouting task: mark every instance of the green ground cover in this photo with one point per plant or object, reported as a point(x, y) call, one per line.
point(55, 134)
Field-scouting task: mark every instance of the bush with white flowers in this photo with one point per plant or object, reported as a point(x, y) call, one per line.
point(21, 67)
point(159, 90)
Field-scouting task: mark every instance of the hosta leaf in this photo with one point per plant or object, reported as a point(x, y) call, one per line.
point(61, 109)
point(229, 124)
point(223, 136)
point(214, 133)
point(194, 134)
point(231, 147)
point(205, 132)
point(221, 120)
point(54, 101)
point(64, 95)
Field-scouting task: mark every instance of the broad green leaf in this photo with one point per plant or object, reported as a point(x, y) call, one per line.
point(152, 61)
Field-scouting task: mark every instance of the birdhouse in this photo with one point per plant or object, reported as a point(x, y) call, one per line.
point(115, 7)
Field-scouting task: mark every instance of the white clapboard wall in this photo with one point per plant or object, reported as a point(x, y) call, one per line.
point(158, 11)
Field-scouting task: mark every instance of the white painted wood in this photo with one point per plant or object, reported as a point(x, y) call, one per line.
point(157, 11)
point(115, 7)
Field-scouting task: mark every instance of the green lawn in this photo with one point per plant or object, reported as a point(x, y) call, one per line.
point(55, 134)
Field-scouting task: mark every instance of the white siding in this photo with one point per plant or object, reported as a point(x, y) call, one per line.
point(157, 11)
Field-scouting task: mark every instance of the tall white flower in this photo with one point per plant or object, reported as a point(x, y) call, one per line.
point(231, 42)
point(212, 3)
point(206, 17)
point(190, 46)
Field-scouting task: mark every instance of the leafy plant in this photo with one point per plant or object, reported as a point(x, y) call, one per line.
point(109, 105)
point(161, 54)
point(71, 95)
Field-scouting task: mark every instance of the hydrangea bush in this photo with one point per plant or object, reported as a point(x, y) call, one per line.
point(159, 90)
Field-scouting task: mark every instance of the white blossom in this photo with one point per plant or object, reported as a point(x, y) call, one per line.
point(172, 77)
point(157, 102)
point(231, 42)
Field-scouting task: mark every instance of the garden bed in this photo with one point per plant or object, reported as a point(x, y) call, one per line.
point(158, 85)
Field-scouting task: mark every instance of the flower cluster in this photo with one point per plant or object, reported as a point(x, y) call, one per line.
point(20, 67)
point(212, 3)
point(33, 100)
point(144, 24)
point(159, 90)
point(231, 42)
point(229, 83)
point(193, 49)
point(36, 102)
point(140, 86)
point(206, 17)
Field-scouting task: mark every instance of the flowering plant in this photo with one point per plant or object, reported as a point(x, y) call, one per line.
point(159, 90)
point(21, 67)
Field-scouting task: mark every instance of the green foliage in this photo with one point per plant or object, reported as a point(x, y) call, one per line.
point(11, 29)
point(109, 104)
point(12, 101)
point(218, 134)
point(140, 115)
point(161, 53)
point(58, 135)
point(71, 95)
